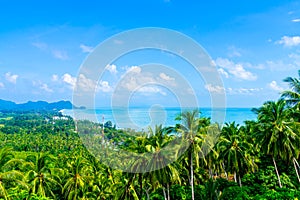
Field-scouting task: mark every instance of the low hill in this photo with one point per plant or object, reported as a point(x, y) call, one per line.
point(38, 105)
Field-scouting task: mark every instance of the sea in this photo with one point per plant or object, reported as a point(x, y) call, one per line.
point(144, 117)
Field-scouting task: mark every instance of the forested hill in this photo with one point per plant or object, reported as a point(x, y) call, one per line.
point(38, 105)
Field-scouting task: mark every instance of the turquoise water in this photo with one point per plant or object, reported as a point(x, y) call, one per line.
point(140, 118)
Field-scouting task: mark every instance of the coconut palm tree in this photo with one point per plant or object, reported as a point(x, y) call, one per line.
point(161, 170)
point(78, 173)
point(189, 128)
point(234, 151)
point(292, 96)
point(7, 174)
point(277, 132)
point(40, 176)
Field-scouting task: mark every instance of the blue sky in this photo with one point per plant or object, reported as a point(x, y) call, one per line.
point(255, 44)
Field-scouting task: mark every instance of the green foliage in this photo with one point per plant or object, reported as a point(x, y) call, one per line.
point(42, 157)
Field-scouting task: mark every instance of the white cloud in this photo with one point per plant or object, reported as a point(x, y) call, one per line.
point(62, 55)
point(1, 85)
point(289, 41)
point(112, 69)
point(85, 84)
point(104, 86)
point(67, 78)
point(240, 91)
point(42, 86)
point(12, 78)
point(296, 20)
point(236, 69)
point(147, 90)
point(45, 87)
point(241, 73)
point(134, 69)
point(54, 77)
point(223, 72)
point(244, 91)
point(215, 88)
point(166, 77)
point(86, 49)
point(274, 86)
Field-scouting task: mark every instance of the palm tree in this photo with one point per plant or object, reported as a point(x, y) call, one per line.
point(161, 171)
point(7, 175)
point(233, 151)
point(40, 176)
point(190, 126)
point(78, 173)
point(292, 96)
point(278, 133)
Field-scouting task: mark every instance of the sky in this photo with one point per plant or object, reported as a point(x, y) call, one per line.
point(253, 44)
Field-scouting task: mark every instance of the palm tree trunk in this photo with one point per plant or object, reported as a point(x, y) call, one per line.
point(168, 191)
point(225, 171)
point(253, 163)
point(240, 181)
point(147, 193)
point(234, 175)
point(192, 177)
point(164, 191)
point(296, 169)
point(279, 181)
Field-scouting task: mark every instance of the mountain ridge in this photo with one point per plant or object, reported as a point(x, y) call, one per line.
point(36, 105)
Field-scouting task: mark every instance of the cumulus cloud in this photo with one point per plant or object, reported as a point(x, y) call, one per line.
point(46, 88)
point(86, 49)
point(235, 69)
point(84, 84)
point(70, 80)
point(112, 69)
point(61, 55)
point(12, 78)
point(274, 86)
point(166, 77)
point(1, 85)
point(134, 69)
point(215, 88)
point(288, 41)
point(137, 81)
point(223, 72)
point(104, 86)
point(43, 86)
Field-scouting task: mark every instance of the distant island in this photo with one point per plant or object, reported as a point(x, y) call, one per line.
point(38, 105)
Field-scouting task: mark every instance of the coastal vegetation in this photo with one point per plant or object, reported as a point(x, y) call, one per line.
point(43, 155)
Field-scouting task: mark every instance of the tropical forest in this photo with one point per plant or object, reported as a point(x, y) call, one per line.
point(43, 156)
